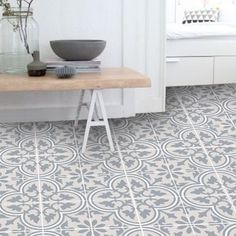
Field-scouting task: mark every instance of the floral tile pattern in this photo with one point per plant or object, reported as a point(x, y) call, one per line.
point(172, 173)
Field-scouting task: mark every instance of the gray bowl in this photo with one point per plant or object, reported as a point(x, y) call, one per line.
point(78, 50)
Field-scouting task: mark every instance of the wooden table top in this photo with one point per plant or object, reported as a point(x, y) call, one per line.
point(108, 78)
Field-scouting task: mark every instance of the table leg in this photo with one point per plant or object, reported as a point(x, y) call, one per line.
point(84, 104)
point(80, 105)
point(97, 97)
point(96, 115)
point(105, 120)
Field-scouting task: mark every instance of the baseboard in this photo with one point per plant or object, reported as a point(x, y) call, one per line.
point(52, 113)
point(150, 105)
point(34, 114)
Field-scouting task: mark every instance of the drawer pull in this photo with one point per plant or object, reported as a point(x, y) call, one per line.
point(172, 60)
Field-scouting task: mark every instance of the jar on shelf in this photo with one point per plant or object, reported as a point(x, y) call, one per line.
point(19, 34)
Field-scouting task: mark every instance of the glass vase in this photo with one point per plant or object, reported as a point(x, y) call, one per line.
point(19, 39)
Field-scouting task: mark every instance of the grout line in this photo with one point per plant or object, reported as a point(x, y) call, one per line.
point(38, 177)
point(225, 111)
point(172, 178)
point(127, 179)
point(75, 230)
point(83, 182)
point(204, 149)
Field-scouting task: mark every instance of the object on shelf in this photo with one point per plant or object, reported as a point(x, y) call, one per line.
point(80, 66)
point(36, 68)
point(65, 72)
point(78, 50)
point(77, 64)
point(19, 39)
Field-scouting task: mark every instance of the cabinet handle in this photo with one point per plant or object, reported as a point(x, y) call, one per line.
point(172, 60)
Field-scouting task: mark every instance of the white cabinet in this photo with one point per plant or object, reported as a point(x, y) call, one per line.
point(225, 70)
point(189, 71)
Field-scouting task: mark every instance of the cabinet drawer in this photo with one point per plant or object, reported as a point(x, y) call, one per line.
point(189, 71)
point(225, 70)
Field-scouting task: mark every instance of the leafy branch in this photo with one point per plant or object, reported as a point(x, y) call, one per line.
point(22, 25)
point(5, 5)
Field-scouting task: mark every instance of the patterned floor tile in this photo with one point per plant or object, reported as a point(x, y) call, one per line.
point(209, 118)
point(22, 233)
point(62, 189)
point(64, 165)
point(173, 129)
point(206, 124)
point(64, 129)
point(20, 209)
point(203, 209)
point(114, 213)
point(13, 165)
point(179, 230)
point(211, 230)
point(19, 130)
point(97, 141)
point(66, 216)
point(89, 232)
point(186, 138)
point(101, 163)
point(141, 162)
point(223, 158)
point(161, 212)
point(20, 220)
point(224, 91)
point(146, 231)
point(209, 138)
point(116, 231)
point(82, 232)
point(187, 160)
point(196, 96)
point(112, 186)
point(232, 116)
point(196, 168)
point(20, 187)
point(183, 179)
point(172, 102)
point(134, 133)
point(228, 180)
point(149, 184)
point(204, 183)
point(172, 173)
point(54, 135)
point(229, 104)
point(21, 147)
point(64, 204)
point(230, 230)
point(48, 146)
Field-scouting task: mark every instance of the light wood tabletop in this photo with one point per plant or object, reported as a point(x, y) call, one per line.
point(108, 78)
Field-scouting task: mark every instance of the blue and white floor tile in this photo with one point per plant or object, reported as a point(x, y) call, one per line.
point(172, 173)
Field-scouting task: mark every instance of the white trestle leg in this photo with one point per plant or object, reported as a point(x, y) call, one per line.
point(84, 104)
point(80, 105)
point(96, 115)
point(96, 99)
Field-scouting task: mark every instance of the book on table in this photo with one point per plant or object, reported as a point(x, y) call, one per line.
point(80, 66)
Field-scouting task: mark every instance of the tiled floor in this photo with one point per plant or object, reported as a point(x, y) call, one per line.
point(173, 173)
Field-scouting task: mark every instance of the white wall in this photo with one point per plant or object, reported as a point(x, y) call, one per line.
point(171, 11)
point(118, 22)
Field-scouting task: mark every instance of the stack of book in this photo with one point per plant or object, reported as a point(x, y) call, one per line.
point(80, 66)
